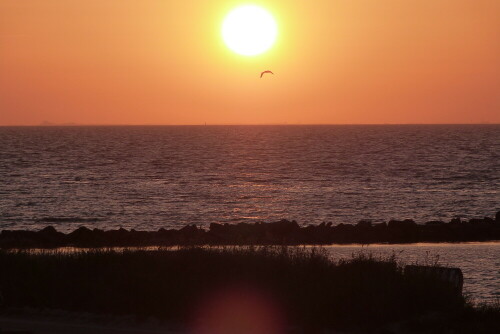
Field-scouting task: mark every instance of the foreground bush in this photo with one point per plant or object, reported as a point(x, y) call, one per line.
point(301, 286)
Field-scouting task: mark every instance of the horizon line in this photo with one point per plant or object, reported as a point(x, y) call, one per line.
point(234, 124)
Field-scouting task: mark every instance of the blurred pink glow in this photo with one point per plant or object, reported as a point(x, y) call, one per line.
point(238, 309)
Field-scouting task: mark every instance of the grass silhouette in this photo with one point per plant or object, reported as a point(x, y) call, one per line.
point(311, 291)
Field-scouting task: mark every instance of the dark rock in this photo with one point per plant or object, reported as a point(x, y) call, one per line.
point(48, 230)
point(407, 223)
point(284, 226)
point(82, 236)
point(214, 227)
point(476, 221)
point(189, 229)
point(283, 232)
point(49, 237)
point(364, 224)
point(190, 234)
point(435, 223)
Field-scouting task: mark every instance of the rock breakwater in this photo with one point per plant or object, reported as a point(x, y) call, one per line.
point(283, 232)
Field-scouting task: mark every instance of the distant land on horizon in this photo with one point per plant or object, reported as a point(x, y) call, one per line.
point(73, 124)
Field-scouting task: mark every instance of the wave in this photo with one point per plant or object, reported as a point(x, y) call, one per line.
point(67, 219)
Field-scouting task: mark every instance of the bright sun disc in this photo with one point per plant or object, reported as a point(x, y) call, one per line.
point(249, 30)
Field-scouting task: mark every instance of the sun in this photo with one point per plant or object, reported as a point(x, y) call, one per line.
point(249, 30)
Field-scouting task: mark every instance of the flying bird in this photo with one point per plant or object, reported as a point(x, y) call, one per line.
point(262, 73)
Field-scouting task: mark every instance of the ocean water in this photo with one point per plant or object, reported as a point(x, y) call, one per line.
point(147, 177)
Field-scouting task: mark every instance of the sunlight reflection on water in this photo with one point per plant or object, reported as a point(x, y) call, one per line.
point(168, 176)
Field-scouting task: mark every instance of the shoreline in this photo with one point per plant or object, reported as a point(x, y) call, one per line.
point(283, 232)
point(71, 249)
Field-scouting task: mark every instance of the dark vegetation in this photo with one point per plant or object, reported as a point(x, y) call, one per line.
point(283, 232)
point(310, 291)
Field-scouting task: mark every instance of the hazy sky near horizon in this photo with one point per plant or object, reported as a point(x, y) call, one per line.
point(164, 62)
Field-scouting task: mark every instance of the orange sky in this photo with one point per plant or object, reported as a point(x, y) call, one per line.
point(164, 62)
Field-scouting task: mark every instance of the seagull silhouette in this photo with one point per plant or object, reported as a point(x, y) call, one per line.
point(262, 73)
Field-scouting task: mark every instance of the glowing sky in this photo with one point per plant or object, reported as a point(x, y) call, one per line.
point(164, 62)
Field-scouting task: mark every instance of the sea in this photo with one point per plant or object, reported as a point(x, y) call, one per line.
point(148, 177)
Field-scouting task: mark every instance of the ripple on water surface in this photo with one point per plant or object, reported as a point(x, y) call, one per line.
point(168, 176)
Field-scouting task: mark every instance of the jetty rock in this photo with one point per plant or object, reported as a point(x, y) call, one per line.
point(282, 232)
